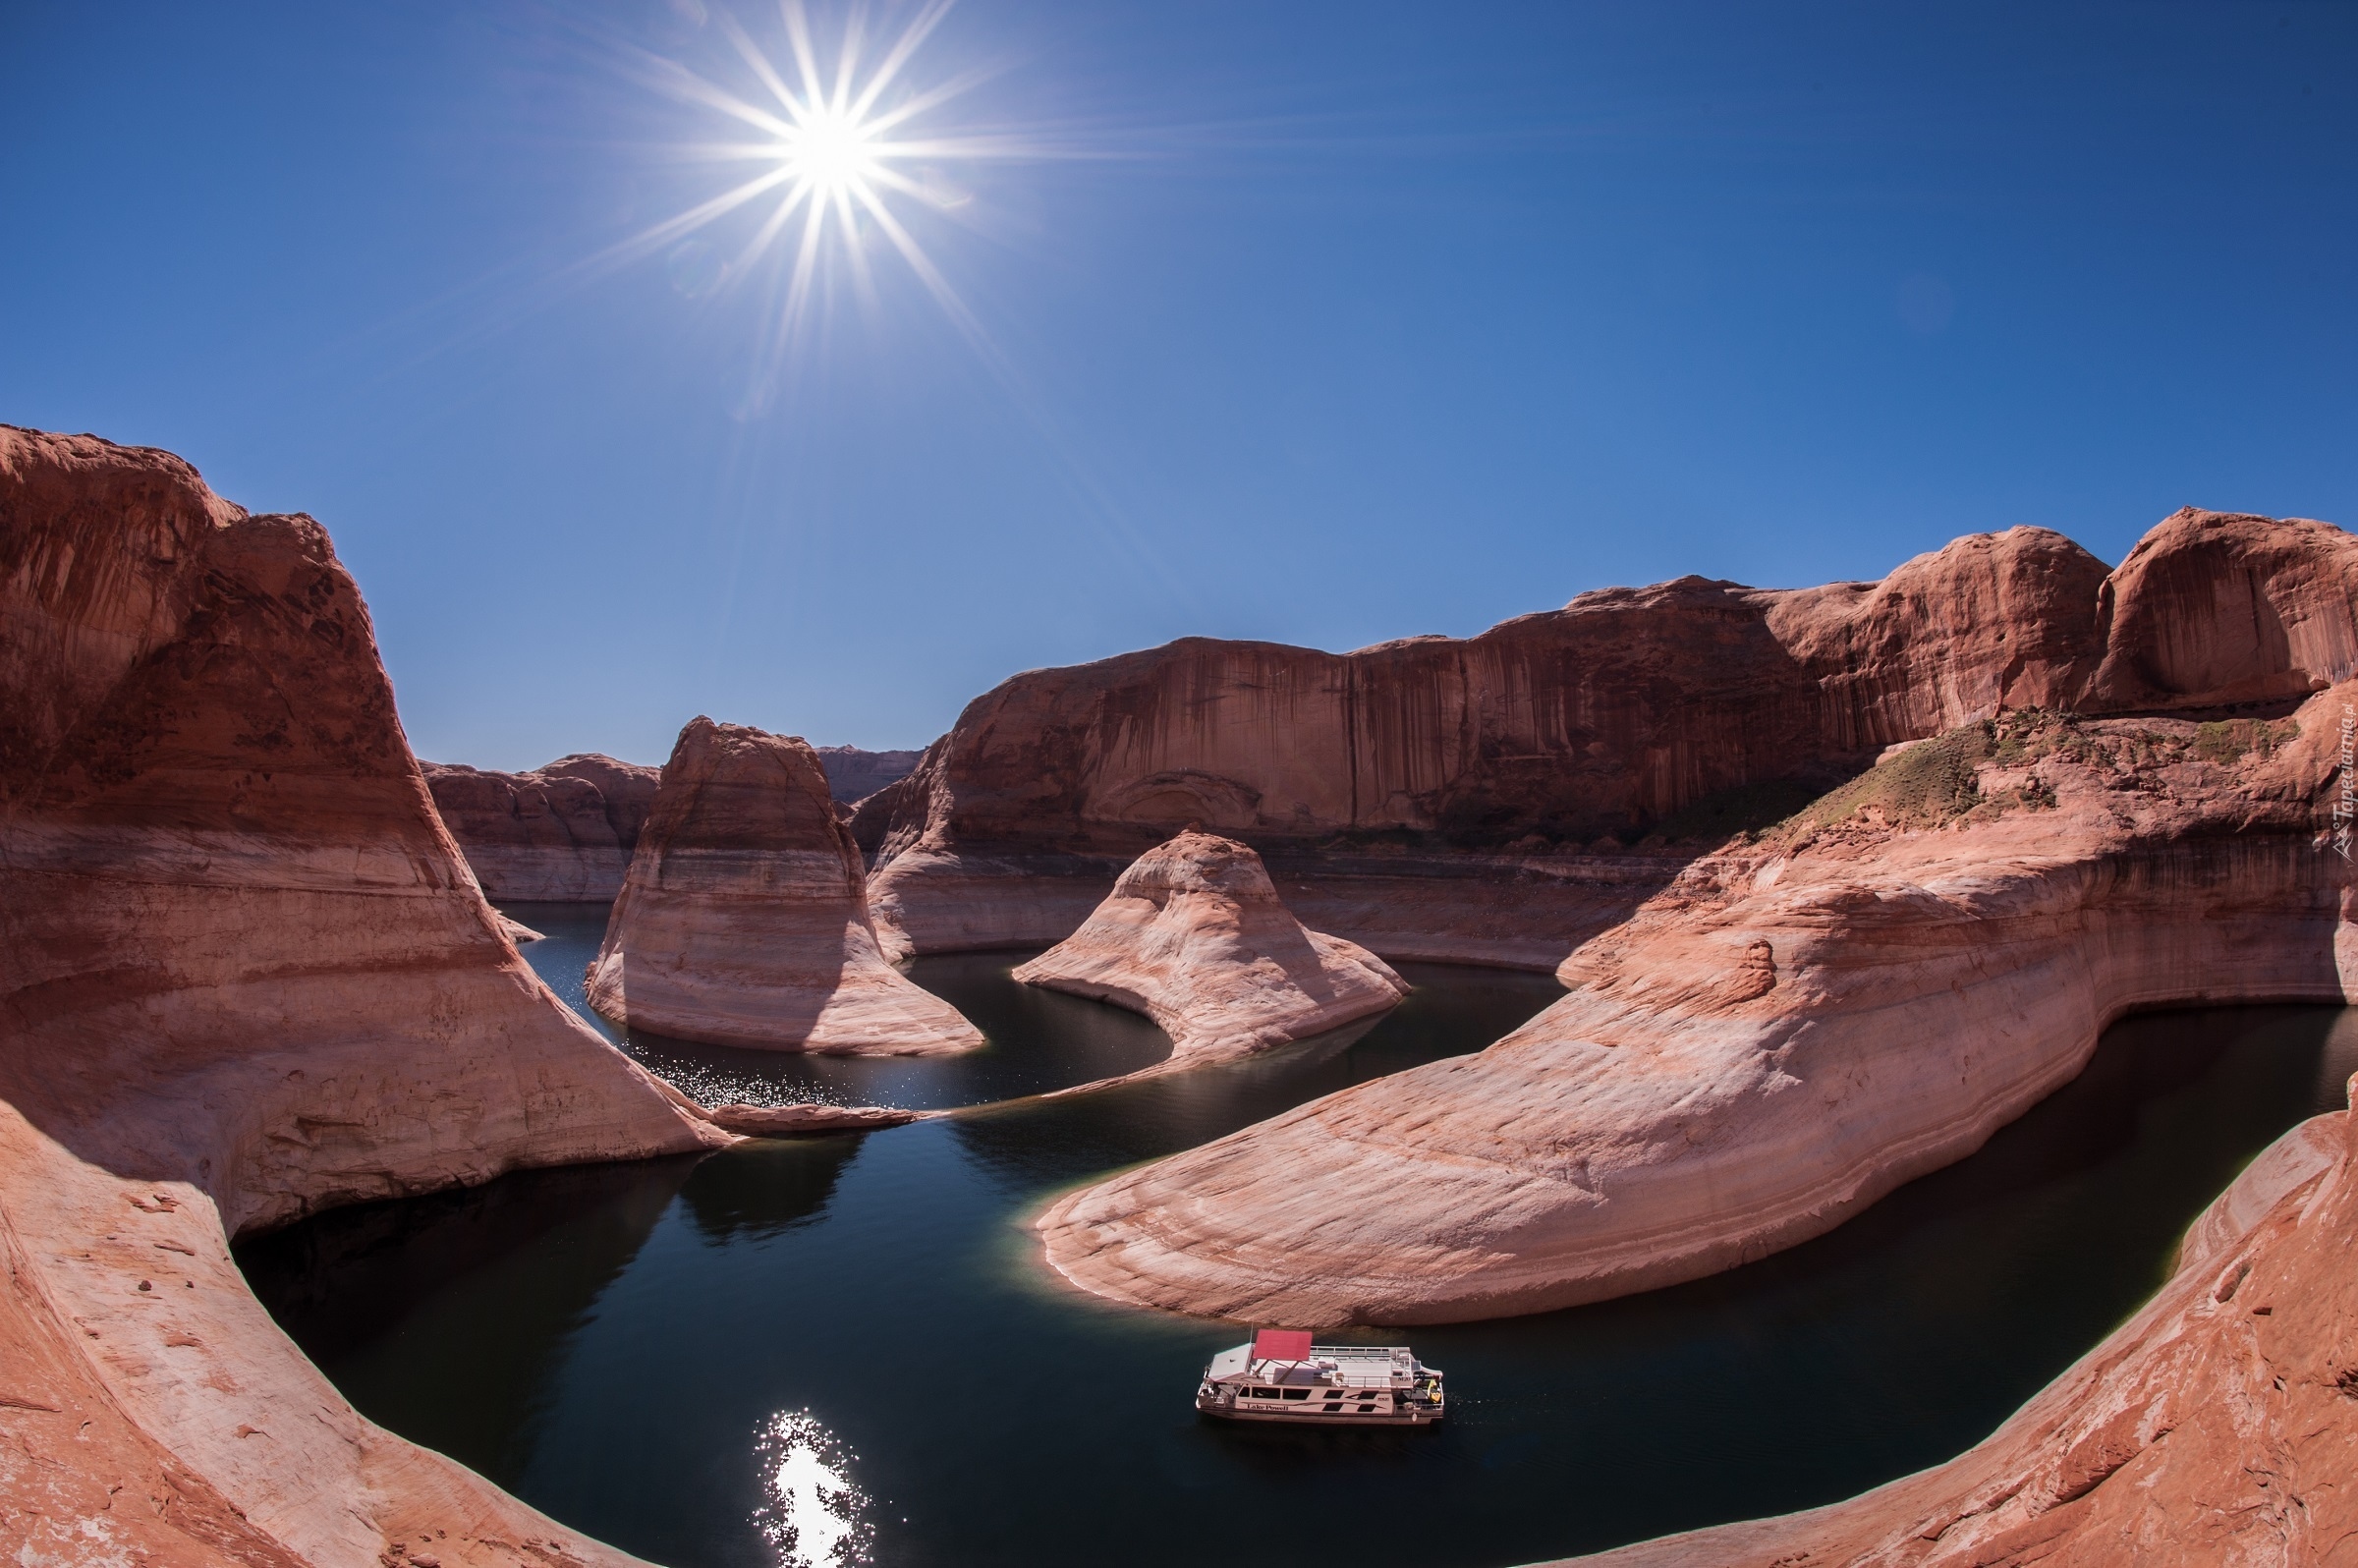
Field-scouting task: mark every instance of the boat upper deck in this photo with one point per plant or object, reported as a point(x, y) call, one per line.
point(1326, 1366)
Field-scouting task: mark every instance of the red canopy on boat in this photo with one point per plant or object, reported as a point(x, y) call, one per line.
point(1281, 1344)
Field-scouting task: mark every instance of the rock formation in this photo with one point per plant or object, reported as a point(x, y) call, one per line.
point(562, 833)
point(787, 1121)
point(2215, 1427)
point(1193, 936)
point(1412, 782)
point(247, 976)
point(1788, 1032)
point(744, 920)
point(854, 774)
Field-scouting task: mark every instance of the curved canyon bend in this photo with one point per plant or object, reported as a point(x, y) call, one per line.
point(609, 1343)
point(1847, 1140)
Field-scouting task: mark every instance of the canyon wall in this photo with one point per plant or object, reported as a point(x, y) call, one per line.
point(561, 834)
point(565, 831)
point(744, 919)
point(1376, 783)
point(248, 977)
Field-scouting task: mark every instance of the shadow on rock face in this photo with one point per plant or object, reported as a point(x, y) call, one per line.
point(499, 1275)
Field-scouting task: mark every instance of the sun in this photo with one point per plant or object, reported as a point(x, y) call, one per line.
point(842, 151)
point(831, 151)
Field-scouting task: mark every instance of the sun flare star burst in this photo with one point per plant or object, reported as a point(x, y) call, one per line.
point(836, 148)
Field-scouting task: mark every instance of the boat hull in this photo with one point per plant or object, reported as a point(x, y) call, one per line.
point(1315, 1418)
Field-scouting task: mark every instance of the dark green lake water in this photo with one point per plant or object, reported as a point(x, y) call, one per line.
point(682, 1357)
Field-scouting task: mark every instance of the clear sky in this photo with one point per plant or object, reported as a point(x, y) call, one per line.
point(1325, 323)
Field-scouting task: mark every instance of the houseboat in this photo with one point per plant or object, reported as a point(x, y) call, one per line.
point(1282, 1377)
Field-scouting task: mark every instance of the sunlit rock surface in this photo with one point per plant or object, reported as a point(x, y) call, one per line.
point(1382, 781)
point(247, 976)
point(744, 920)
point(1195, 937)
point(561, 834)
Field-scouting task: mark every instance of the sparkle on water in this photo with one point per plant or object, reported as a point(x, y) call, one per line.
point(811, 1512)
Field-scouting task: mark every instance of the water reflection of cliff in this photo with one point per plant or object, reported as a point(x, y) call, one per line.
point(1043, 1143)
point(484, 1286)
point(767, 1187)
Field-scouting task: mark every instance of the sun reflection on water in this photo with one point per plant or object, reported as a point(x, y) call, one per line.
point(811, 1511)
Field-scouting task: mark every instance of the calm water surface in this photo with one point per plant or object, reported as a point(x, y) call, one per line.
point(669, 1354)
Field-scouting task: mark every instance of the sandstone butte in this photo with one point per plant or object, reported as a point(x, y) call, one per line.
point(744, 920)
point(248, 977)
point(562, 833)
point(565, 831)
point(1195, 937)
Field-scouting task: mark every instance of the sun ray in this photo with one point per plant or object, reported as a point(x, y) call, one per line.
point(847, 59)
point(798, 36)
point(898, 56)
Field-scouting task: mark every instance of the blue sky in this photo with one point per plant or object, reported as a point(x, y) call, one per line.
point(1320, 324)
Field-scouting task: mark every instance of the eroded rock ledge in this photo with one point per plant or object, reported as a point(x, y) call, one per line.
point(1195, 937)
point(744, 920)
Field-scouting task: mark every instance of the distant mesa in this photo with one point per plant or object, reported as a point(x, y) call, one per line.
point(565, 831)
point(562, 833)
point(744, 917)
point(854, 774)
point(1195, 937)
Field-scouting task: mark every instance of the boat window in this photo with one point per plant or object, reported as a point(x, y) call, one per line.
point(1297, 1393)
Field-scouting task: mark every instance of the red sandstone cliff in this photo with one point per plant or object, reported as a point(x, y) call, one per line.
point(247, 976)
point(744, 920)
point(1543, 733)
point(563, 832)
point(1195, 937)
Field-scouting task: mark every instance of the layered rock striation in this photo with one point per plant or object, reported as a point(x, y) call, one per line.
point(744, 919)
point(1435, 757)
point(1193, 935)
point(561, 834)
point(1788, 1030)
point(1502, 798)
point(248, 977)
